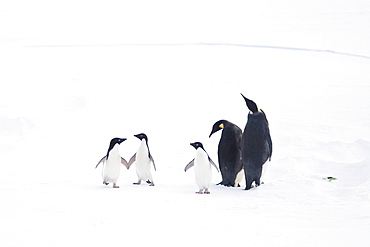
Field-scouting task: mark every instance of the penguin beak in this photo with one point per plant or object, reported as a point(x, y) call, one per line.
point(216, 128)
point(244, 97)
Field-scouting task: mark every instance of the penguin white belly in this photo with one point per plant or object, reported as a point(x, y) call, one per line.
point(112, 166)
point(239, 178)
point(143, 163)
point(264, 168)
point(202, 169)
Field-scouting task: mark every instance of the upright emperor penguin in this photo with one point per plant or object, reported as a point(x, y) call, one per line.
point(143, 158)
point(113, 161)
point(229, 153)
point(202, 168)
point(256, 144)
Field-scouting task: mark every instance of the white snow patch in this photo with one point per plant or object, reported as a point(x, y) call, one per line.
point(59, 63)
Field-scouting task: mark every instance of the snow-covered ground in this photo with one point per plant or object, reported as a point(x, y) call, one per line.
point(75, 74)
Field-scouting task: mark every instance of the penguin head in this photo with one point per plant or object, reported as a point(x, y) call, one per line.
point(197, 145)
point(142, 136)
point(117, 140)
point(251, 105)
point(217, 126)
point(113, 142)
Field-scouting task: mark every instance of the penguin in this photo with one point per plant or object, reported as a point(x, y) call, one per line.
point(113, 161)
point(256, 144)
point(143, 158)
point(229, 153)
point(202, 168)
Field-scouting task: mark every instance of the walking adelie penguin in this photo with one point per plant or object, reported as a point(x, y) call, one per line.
point(256, 145)
point(229, 154)
point(143, 158)
point(202, 168)
point(113, 161)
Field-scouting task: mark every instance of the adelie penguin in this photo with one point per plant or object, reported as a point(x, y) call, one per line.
point(202, 168)
point(112, 162)
point(256, 144)
point(229, 153)
point(142, 159)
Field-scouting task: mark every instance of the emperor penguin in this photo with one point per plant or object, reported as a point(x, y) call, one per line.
point(202, 168)
point(143, 158)
point(112, 162)
point(256, 144)
point(229, 153)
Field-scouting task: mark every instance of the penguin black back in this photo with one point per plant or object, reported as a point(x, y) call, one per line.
point(256, 144)
point(229, 153)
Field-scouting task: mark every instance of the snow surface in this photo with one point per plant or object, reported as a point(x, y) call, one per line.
point(75, 74)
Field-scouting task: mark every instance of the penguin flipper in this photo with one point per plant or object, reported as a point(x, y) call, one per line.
point(189, 165)
point(213, 163)
point(268, 136)
point(132, 160)
point(270, 146)
point(152, 160)
point(100, 161)
point(124, 162)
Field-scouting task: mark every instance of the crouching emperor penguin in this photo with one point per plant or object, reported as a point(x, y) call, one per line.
point(143, 158)
point(229, 154)
point(113, 161)
point(202, 168)
point(256, 144)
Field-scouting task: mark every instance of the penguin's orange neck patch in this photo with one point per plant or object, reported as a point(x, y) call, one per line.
point(221, 126)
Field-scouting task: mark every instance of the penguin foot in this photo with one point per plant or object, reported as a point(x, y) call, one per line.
point(105, 183)
point(225, 184)
point(115, 186)
point(207, 192)
point(246, 188)
point(199, 192)
point(138, 183)
point(151, 183)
